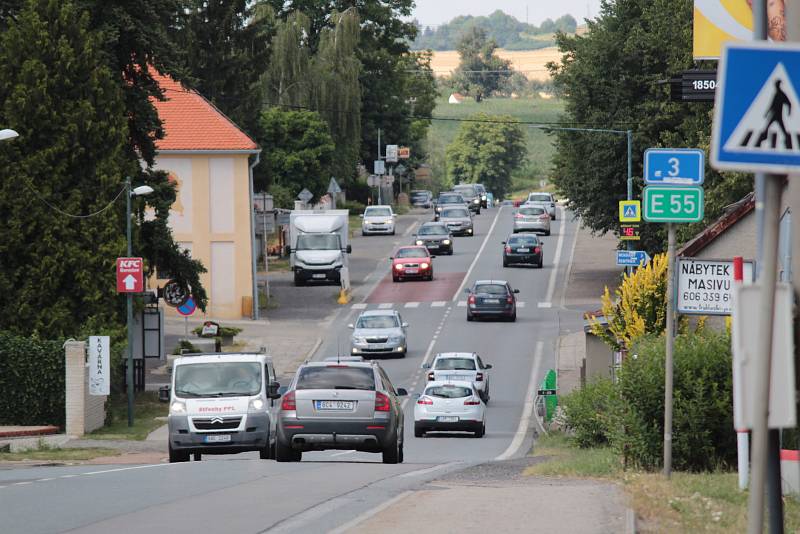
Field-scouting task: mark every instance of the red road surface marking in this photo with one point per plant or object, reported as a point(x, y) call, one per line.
point(441, 288)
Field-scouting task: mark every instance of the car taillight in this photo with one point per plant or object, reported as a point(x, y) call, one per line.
point(430, 376)
point(471, 299)
point(425, 400)
point(510, 299)
point(289, 403)
point(537, 250)
point(508, 249)
point(381, 402)
point(544, 216)
point(472, 401)
point(478, 377)
point(519, 216)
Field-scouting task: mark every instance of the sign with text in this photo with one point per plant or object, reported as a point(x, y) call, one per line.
point(632, 258)
point(705, 287)
point(99, 365)
point(673, 204)
point(675, 166)
point(130, 275)
point(391, 153)
point(629, 232)
point(404, 152)
point(379, 167)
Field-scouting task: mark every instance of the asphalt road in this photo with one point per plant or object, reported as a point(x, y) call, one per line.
point(334, 489)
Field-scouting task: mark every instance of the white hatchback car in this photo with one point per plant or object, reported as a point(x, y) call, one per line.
point(378, 220)
point(461, 366)
point(449, 406)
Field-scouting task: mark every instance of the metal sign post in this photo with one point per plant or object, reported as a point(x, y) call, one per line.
point(668, 364)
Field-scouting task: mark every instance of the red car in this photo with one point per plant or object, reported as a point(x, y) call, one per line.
point(412, 262)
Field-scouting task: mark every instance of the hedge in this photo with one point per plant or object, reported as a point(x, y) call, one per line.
point(31, 381)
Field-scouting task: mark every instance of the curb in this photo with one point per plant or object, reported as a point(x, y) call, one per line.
point(630, 522)
point(310, 353)
point(33, 432)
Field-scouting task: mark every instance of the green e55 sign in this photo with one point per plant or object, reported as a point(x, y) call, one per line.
point(669, 204)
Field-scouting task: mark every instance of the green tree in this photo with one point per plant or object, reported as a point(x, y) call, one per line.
point(56, 270)
point(609, 78)
point(480, 72)
point(487, 150)
point(301, 150)
point(226, 44)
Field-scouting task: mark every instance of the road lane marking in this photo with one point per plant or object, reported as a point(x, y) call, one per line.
point(438, 304)
point(551, 286)
point(370, 513)
point(569, 265)
point(360, 306)
point(520, 304)
point(428, 470)
point(45, 479)
point(410, 228)
point(385, 305)
point(411, 305)
point(23, 483)
point(545, 304)
point(478, 255)
point(525, 420)
point(148, 466)
point(462, 303)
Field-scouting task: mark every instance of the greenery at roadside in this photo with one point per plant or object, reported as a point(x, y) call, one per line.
point(148, 413)
point(57, 454)
point(687, 502)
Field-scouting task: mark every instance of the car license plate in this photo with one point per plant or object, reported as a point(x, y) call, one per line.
point(333, 405)
point(523, 250)
point(447, 419)
point(218, 438)
point(456, 378)
point(320, 275)
point(412, 271)
point(491, 301)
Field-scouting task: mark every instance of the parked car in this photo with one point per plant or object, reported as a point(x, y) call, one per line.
point(378, 220)
point(492, 298)
point(531, 218)
point(484, 195)
point(449, 406)
point(544, 200)
point(458, 220)
point(379, 333)
point(412, 262)
point(447, 200)
point(467, 366)
point(341, 405)
point(523, 248)
point(471, 196)
point(421, 198)
point(436, 237)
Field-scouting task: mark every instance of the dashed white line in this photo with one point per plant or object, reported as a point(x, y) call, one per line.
point(551, 286)
point(384, 306)
point(45, 479)
point(360, 306)
point(545, 304)
point(23, 483)
point(520, 304)
point(411, 305)
point(427, 471)
point(462, 303)
point(438, 304)
point(478, 255)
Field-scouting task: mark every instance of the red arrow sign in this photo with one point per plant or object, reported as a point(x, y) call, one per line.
point(130, 275)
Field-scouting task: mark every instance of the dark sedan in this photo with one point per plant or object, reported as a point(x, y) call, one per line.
point(491, 298)
point(436, 237)
point(523, 248)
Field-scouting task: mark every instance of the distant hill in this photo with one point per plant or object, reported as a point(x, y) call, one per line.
point(507, 31)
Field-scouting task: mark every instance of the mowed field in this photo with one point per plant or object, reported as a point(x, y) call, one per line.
point(529, 62)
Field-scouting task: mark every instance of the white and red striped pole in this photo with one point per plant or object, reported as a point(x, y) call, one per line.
point(742, 434)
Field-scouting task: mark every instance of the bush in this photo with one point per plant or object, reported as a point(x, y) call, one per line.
point(353, 206)
point(32, 390)
point(703, 436)
point(588, 413)
point(185, 347)
point(222, 331)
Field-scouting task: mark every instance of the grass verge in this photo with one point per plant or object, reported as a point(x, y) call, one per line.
point(687, 502)
point(57, 454)
point(145, 410)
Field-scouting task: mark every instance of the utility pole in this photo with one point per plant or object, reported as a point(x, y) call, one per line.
point(669, 367)
point(380, 177)
point(129, 304)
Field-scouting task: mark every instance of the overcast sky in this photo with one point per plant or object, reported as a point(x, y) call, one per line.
point(435, 12)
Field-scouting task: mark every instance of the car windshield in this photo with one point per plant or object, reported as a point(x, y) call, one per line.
point(539, 197)
point(218, 379)
point(531, 211)
point(480, 188)
point(491, 289)
point(434, 229)
point(522, 241)
point(455, 213)
point(419, 195)
point(451, 199)
point(336, 376)
point(411, 253)
point(468, 190)
point(455, 364)
point(318, 242)
point(377, 321)
point(448, 392)
point(378, 212)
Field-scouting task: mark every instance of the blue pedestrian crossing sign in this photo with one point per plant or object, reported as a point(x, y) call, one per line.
point(757, 115)
point(630, 211)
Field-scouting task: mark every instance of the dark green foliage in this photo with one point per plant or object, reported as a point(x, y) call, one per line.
point(589, 413)
point(506, 30)
point(487, 150)
point(300, 152)
point(354, 207)
point(480, 72)
point(31, 381)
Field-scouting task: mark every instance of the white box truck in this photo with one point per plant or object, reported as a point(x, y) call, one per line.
point(319, 245)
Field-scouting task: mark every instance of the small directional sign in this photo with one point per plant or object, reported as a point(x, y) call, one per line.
point(674, 166)
point(130, 275)
point(757, 116)
point(632, 258)
point(630, 211)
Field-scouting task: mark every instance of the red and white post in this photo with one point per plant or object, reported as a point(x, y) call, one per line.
point(742, 434)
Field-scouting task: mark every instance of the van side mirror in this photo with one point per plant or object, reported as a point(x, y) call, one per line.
point(426, 366)
point(487, 366)
point(282, 390)
point(350, 326)
point(516, 291)
point(502, 242)
point(361, 216)
point(401, 392)
point(272, 390)
point(349, 249)
point(163, 394)
point(405, 325)
point(466, 290)
point(288, 250)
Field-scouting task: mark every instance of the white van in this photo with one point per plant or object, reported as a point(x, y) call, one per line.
point(222, 404)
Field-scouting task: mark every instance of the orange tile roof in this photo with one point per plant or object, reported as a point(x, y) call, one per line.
point(191, 122)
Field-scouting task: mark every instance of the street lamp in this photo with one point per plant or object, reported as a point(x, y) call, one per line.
point(8, 134)
point(142, 190)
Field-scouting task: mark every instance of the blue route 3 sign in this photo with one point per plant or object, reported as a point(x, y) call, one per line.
point(757, 116)
point(674, 166)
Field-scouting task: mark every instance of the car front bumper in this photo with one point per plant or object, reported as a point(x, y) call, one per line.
point(377, 229)
point(255, 436)
point(379, 349)
point(330, 274)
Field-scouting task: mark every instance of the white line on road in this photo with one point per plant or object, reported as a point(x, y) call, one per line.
point(520, 304)
point(424, 361)
point(438, 304)
point(384, 306)
point(45, 479)
point(370, 513)
point(478, 255)
point(360, 306)
point(462, 303)
point(427, 471)
point(569, 265)
point(522, 428)
point(551, 285)
point(411, 305)
point(23, 483)
point(545, 304)
point(148, 466)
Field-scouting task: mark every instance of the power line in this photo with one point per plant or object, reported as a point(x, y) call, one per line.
point(67, 214)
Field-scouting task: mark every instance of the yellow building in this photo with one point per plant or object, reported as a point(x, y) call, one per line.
point(211, 160)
